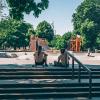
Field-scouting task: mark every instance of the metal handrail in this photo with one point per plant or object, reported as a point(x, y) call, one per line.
point(79, 73)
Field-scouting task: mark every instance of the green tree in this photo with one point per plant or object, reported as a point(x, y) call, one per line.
point(24, 35)
point(45, 30)
point(98, 41)
point(57, 42)
point(17, 8)
point(14, 33)
point(86, 21)
point(7, 27)
point(67, 36)
point(31, 31)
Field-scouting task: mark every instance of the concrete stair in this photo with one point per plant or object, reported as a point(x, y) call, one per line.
point(47, 90)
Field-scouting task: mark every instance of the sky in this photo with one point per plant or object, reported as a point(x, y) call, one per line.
point(59, 12)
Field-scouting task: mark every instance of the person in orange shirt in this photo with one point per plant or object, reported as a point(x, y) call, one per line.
point(40, 57)
point(63, 59)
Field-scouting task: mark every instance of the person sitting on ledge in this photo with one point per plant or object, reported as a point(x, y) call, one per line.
point(40, 57)
point(63, 59)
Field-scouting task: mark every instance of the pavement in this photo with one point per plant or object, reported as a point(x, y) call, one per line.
point(25, 60)
point(28, 58)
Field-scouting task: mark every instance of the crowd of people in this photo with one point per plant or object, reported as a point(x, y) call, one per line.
point(40, 58)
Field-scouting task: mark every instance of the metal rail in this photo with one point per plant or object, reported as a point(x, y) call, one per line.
point(74, 59)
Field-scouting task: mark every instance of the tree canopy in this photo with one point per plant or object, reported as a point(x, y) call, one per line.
point(59, 41)
point(45, 30)
point(17, 8)
point(66, 37)
point(14, 33)
point(86, 21)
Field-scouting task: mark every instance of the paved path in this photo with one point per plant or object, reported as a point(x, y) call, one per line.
point(29, 59)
